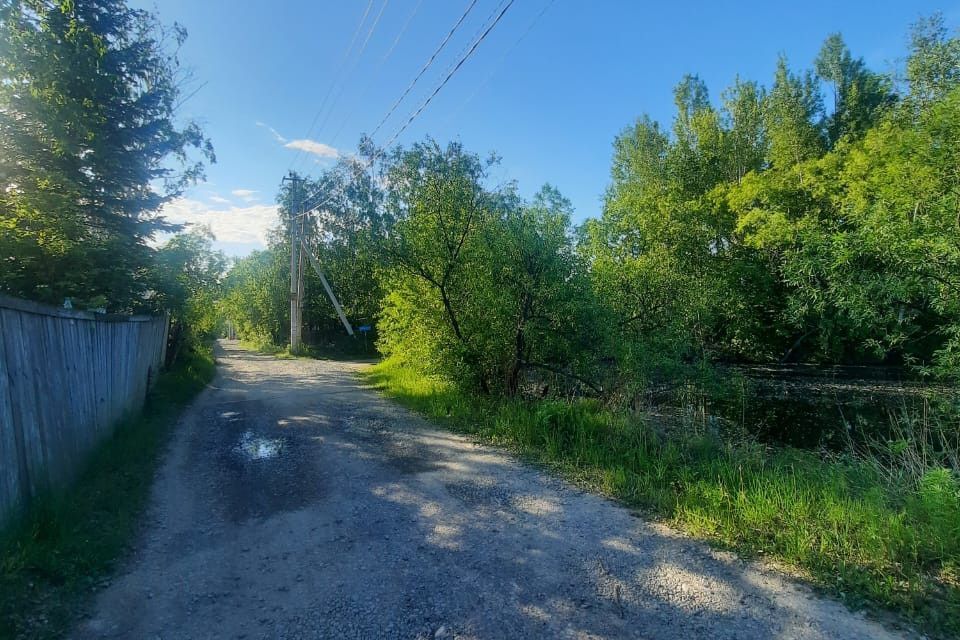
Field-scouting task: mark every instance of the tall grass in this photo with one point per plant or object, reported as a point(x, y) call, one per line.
point(860, 537)
point(67, 542)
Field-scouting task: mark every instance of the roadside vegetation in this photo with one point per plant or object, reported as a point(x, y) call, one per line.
point(807, 221)
point(91, 148)
point(65, 546)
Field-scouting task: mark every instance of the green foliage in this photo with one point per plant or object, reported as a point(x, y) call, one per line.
point(937, 505)
point(88, 148)
point(484, 287)
point(791, 111)
point(61, 549)
point(933, 68)
point(860, 96)
point(772, 231)
point(746, 136)
point(866, 245)
point(256, 296)
point(187, 275)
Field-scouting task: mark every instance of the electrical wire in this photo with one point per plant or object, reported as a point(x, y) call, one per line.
point(426, 102)
point(426, 66)
point(449, 76)
point(353, 67)
point(339, 67)
point(499, 64)
point(376, 71)
point(403, 30)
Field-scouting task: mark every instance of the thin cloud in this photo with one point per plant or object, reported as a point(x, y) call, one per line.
point(242, 225)
point(276, 136)
point(247, 195)
point(303, 144)
point(219, 200)
point(314, 147)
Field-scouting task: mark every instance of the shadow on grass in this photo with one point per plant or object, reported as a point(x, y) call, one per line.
point(67, 542)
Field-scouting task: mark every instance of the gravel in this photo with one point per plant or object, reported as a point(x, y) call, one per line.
point(295, 503)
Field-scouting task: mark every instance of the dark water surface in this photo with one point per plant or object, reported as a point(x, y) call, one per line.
point(814, 408)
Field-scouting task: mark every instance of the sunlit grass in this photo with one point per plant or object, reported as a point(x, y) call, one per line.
point(838, 520)
point(341, 349)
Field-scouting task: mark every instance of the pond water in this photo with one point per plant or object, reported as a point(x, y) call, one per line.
point(815, 408)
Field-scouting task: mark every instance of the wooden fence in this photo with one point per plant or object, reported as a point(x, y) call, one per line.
point(66, 379)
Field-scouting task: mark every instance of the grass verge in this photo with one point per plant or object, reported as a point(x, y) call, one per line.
point(345, 349)
point(68, 542)
point(839, 521)
point(266, 347)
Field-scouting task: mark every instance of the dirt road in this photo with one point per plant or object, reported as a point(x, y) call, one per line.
point(294, 503)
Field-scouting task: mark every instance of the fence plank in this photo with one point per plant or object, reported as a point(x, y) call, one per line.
point(10, 467)
point(66, 378)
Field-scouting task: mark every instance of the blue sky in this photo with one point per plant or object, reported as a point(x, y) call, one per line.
point(549, 104)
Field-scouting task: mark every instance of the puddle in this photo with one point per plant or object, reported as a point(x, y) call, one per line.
point(254, 448)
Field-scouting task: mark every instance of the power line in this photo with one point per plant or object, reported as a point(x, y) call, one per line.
point(498, 65)
point(339, 67)
point(353, 66)
point(473, 38)
point(449, 75)
point(425, 66)
point(372, 28)
point(376, 71)
point(403, 30)
point(426, 102)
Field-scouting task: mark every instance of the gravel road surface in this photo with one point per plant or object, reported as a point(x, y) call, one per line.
point(295, 503)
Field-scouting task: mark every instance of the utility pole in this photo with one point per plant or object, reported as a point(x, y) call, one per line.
point(296, 220)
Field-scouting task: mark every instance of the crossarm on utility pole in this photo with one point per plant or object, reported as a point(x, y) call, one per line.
point(326, 285)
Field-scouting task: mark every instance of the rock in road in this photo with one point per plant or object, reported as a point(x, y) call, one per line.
point(296, 503)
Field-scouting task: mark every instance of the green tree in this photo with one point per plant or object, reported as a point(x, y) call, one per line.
point(256, 297)
point(933, 65)
point(187, 277)
point(791, 112)
point(860, 97)
point(743, 121)
point(89, 148)
point(441, 209)
point(548, 319)
point(697, 155)
point(483, 288)
point(651, 250)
